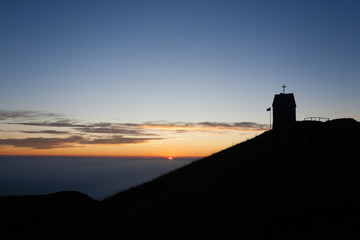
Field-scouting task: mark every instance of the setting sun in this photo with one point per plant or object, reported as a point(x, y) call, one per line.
point(170, 158)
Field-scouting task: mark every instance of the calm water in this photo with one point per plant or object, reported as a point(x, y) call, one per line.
point(97, 177)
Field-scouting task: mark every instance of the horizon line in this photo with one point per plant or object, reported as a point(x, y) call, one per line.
point(100, 156)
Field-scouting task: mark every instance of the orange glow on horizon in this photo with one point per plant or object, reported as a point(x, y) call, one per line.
point(131, 151)
point(190, 144)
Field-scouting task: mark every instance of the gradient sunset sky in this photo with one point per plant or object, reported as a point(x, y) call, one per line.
point(168, 78)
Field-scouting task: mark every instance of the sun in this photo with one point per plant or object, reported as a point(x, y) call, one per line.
point(170, 158)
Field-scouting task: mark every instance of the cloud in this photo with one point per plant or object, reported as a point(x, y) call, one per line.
point(119, 140)
point(60, 123)
point(46, 119)
point(10, 115)
point(129, 129)
point(79, 133)
point(166, 124)
point(236, 125)
point(100, 128)
point(41, 143)
point(213, 126)
point(113, 130)
point(72, 141)
point(46, 132)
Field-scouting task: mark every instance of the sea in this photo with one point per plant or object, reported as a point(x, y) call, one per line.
point(97, 177)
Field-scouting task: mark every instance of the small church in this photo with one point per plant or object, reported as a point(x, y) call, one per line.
point(284, 109)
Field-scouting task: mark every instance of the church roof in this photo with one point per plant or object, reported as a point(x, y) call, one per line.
point(284, 99)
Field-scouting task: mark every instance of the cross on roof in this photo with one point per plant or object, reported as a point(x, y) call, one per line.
point(283, 86)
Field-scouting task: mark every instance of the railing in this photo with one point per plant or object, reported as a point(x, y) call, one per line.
point(320, 119)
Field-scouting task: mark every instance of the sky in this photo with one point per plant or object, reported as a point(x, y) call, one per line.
point(168, 78)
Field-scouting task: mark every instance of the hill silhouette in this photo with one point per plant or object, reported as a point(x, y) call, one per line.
point(295, 182)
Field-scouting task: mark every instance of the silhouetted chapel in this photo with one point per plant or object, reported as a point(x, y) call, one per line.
point(284, 109)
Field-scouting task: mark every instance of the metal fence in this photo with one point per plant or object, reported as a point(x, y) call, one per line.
point(320, 119)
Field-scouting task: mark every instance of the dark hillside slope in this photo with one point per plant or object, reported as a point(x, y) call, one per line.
point(292, 183)
point(24, 217)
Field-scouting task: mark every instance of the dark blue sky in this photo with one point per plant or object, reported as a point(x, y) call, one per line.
point(208, 55)
point(191, 61)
